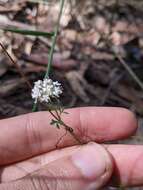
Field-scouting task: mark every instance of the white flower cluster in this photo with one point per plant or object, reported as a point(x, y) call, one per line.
point(45, 90)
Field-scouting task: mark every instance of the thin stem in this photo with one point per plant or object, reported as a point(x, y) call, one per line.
point(54, 38)
point(130, 71)
point(67, 128)
point(16, 65)
point(34, 107)
point(70, 130)
point(53, 115)
point(125, 65)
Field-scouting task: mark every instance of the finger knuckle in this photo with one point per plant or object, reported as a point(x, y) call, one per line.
point(33, 135)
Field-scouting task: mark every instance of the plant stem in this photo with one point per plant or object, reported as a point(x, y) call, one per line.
point(34, 107)
point(54, 38)
point(67, 128)
point(70, 130)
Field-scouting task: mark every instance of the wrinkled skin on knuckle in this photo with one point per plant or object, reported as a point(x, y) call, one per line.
point(55, 178)
point(34, 182)
point(43, 182)
point(50, 179)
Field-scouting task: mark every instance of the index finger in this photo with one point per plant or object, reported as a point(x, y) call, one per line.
point(28, 135)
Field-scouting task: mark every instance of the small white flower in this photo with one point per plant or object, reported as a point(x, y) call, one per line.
point(45, 90)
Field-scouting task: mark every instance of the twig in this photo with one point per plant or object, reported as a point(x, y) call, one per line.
point(129, 70)
point(16, 65)
point(121, 60)
point(125, 65)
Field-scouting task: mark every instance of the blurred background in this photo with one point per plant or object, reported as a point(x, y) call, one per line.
point(98, 56)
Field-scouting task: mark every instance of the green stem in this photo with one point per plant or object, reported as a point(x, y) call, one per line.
point(34, 107)
point(67, 128)
point(54, 38)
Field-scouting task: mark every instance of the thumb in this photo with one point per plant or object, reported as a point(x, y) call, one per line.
point(87, 168)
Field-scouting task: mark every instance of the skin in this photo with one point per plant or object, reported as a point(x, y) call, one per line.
point(28, 145)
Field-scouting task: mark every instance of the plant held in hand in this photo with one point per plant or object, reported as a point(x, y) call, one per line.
point(48, 91)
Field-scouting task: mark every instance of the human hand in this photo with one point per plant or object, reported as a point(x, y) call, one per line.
point(29, 159)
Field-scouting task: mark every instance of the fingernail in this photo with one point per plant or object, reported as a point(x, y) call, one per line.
point(93, 161)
